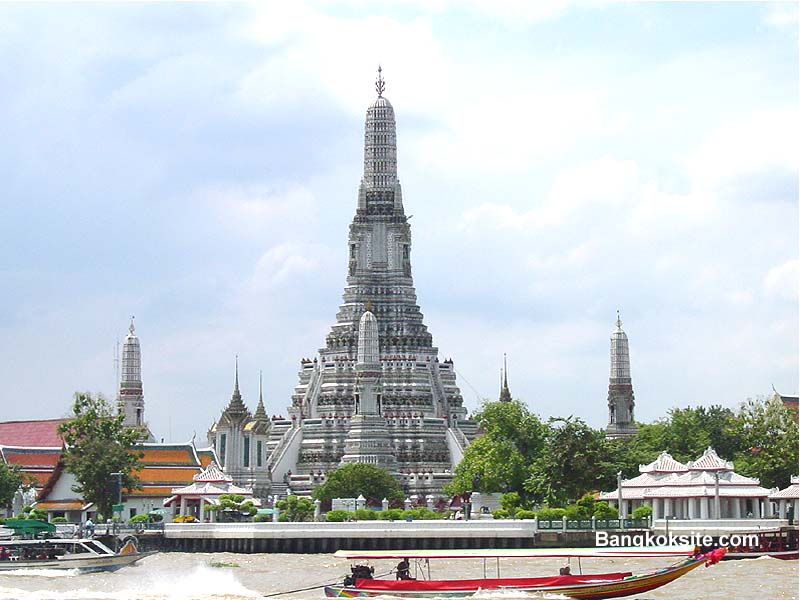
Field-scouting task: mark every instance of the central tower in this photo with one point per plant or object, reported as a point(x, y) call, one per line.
point(419, 401)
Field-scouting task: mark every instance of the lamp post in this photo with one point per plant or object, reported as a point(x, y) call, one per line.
point(119, 475)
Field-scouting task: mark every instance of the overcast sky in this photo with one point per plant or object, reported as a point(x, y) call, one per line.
point(197, 166)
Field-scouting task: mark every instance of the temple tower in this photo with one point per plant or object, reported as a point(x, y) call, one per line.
point(419, 399)
point(620, 389)
point(130, 396)
point(240, 441)
point(368, 440)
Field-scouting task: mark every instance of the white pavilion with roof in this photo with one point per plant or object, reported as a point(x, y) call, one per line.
point(206, 488)
point(787, 500)
point(707, 488)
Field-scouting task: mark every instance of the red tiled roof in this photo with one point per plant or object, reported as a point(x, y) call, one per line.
point(23, 458)
point(33, 434)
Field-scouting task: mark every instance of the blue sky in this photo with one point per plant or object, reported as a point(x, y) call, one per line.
point(197, 165)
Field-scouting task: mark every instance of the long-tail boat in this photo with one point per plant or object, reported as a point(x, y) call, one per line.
point(585, 586)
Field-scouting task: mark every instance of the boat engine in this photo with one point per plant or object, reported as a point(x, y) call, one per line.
point(358, 572)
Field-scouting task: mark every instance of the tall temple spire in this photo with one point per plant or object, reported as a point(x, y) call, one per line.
point(236, 408)
point(379, 373)
point(620, 388)
point(261, 413)
point(505, 393)
point(130, 396)
point(380, 150)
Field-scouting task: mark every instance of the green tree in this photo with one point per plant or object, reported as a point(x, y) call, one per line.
point(97, 444)
point(295, 508)
point(11, 479)
point(234, 506)
point(577, 461)
point(769, 439)
point(352, 480)
point(499, 460)
point(693, 429)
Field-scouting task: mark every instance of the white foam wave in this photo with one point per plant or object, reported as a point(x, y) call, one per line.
point(41, 573)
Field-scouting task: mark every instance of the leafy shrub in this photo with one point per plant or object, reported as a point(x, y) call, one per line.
point(337, 516)
point(642, 512)
point(510, 502)
point(500, 513)
point(602, 510)
point(262, 518)
point(524, 514)
point(575, 511)
point(58, 520)
point(393, 514)
point(143, 518)
point(551, 514)
point(365, 514)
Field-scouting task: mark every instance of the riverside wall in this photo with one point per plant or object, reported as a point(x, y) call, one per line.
point(313, 538)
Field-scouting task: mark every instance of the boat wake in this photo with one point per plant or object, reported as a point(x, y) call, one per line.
point(200, 583)
point(41, 573)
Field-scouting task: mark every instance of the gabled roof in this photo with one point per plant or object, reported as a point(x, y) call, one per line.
point(710, 461)
point(212, 474)
point(32, 434)
point(793, 491)
point(663, 464)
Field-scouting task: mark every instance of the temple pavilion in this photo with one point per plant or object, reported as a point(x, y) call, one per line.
point(707, 488)
point(206, 489)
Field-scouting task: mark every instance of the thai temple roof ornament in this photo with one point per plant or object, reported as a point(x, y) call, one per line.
point(380, 84)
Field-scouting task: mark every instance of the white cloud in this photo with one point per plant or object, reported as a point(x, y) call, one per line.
point(259, 209)
point(782, 15)
point(754, 144)
point(781, 282)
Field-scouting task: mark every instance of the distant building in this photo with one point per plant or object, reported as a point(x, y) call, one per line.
point(35, 447)
point(621, 402)
point(130, 396)
point(690, 491)
point(792, 402)
point(787, 500)
point(163, 467)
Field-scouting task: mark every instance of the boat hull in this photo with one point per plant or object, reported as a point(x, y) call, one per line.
point(84, 564)
point(586, 590)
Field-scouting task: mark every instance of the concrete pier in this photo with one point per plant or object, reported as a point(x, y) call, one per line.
point(313, 538)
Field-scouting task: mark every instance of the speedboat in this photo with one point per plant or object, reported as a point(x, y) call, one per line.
point(85, 555)
point(586, 586)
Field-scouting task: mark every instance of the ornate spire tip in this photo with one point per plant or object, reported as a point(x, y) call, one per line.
point(380, 84)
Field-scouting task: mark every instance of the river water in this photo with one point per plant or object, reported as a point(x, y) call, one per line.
point(223, 576)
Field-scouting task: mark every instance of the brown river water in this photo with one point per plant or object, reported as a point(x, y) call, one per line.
point(223, 576)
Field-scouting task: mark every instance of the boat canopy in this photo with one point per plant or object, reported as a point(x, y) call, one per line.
point(604, 552)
